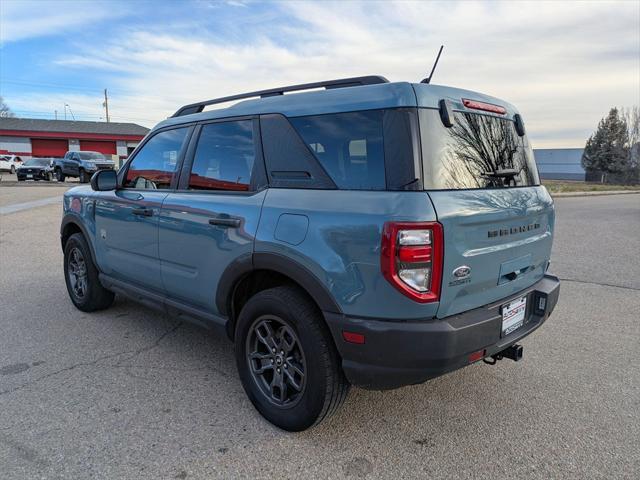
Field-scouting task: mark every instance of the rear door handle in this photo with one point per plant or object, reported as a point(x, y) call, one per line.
point(143, 212)
point(225, 221)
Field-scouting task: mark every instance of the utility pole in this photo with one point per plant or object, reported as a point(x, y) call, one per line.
point(106, 104)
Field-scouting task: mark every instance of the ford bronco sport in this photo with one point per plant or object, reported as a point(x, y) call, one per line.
point(372, 234)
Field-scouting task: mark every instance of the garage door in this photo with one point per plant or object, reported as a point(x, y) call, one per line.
point(108, 148)
point(41, 147)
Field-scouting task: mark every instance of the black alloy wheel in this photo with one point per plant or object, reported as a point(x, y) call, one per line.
point(276, 360)
point(82, 277)
point(77, 273)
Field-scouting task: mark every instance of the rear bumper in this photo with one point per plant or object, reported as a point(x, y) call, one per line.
point(399, 353)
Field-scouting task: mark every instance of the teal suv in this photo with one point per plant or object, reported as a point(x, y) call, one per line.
point(348, 232)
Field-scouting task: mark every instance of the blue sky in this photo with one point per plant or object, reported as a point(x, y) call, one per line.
point(564, 64)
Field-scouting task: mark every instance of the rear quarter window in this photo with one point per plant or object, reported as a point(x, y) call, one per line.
point(349, 146)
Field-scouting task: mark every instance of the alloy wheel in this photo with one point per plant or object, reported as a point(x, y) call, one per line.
point(77, 272)
point(276, 360)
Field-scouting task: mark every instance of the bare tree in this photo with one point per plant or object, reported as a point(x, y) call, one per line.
point(5, 111)
point(631, 117)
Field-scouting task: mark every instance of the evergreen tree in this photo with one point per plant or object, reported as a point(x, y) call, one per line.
point(607, 150)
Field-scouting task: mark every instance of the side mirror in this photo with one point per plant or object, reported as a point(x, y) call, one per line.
point(104, 180)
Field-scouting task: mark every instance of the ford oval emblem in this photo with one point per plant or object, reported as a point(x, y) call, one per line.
point(462, 272)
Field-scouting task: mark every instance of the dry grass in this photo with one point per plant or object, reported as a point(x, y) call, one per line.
point(561, 186)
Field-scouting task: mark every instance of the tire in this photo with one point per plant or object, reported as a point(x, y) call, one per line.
point(83, 177)
point(59, 175)
point(81, 276)
point(13, 170)
point(48, 177)
point(293, 320)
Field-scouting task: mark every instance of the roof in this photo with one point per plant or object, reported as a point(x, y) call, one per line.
point(550, 160)
point(71, 126)
point(345, 99)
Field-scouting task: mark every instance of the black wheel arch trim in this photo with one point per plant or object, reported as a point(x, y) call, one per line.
point(244, 265)
point(76, 220)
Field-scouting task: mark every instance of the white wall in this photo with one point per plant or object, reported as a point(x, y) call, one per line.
point(121, 148)
point(20, 145)
point(74, 145)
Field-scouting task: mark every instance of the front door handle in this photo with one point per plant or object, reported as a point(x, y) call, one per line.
point(225, 221)
point(143, 212)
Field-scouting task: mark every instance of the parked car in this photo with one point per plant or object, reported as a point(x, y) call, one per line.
point(9, 163)
point(81, 165)
point(35, 169)
point(372, 234)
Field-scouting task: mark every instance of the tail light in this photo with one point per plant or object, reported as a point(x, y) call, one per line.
point(411, 259)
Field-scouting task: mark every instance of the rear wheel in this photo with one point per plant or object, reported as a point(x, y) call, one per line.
point(81, 277)
point(59, 175)
point(287, 362)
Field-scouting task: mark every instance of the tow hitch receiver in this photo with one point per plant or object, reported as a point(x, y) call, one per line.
point(514, 352)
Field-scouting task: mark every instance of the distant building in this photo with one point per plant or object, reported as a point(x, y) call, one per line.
point(560, 163)
point(28, 137)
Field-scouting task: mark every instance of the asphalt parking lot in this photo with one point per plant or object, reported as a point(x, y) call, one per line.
point(129, 393)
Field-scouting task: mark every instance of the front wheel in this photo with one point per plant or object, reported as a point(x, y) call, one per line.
point(48, 177)
point(288, 364)
point(13, 170)
point(84, 178)
point(81, 277)
point(59, 175)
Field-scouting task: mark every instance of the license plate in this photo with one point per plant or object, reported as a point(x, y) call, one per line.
point(513, 315)
point(29, 176)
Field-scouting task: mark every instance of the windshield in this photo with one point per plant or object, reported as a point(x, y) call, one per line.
point(91, 156)
point(478, 151)
point(37, 162)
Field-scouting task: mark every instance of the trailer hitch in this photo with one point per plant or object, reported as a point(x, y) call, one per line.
point(514, 352)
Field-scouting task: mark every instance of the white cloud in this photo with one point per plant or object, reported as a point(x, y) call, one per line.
point(20, 20)
point(563, 64)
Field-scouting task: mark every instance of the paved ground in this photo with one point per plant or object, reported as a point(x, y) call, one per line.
point(127, 393)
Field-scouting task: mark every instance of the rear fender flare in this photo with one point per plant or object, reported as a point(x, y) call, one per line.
point(284, 265)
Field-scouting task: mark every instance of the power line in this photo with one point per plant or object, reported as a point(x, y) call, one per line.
point(91, 116)
point(50, 85)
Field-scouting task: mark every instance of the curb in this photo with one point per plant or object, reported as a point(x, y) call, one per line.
point(595, 194)
point(15, 183)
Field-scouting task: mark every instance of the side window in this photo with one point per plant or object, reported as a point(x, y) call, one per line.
point(155, 165)
point(348, 145)
point(224, 157)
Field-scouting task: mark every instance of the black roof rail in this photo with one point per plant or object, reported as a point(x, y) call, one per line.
point(327, 84)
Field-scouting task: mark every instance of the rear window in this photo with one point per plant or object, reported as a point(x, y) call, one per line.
point(478, 151)
point(91, 156)
point(348, 145)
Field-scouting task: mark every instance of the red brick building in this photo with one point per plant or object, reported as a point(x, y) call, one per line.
point(28, 137)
